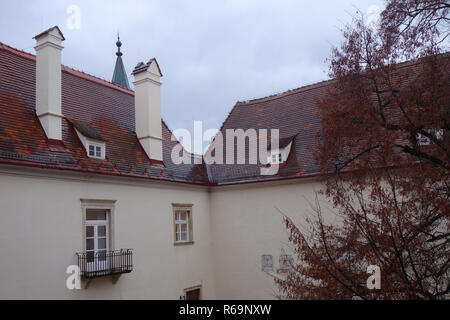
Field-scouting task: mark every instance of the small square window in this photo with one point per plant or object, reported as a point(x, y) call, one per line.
point(95, 151)
point(276, 158)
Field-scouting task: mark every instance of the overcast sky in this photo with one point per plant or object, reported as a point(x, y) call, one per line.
point(211, 53)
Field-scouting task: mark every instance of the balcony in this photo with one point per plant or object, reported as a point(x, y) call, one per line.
point(101, 264)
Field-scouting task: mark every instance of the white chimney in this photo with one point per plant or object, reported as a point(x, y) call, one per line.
point(48, 81)
point(147, 102)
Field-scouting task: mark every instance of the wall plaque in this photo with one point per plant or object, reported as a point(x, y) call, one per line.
point(267, 263)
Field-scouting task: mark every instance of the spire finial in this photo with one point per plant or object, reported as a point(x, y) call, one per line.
point(119, 75)
point(118, 44)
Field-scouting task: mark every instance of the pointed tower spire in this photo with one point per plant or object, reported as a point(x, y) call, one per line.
point(119, 75)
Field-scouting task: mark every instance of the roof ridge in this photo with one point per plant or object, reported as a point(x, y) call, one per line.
point(268, 98)
point(70, 70)
point(286, 93)
point(319, 84)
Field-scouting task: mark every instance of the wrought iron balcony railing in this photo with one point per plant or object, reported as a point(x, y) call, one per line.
point(100, 264)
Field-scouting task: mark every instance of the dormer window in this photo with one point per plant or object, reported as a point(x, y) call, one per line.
point(92, 140)
point(280, 154)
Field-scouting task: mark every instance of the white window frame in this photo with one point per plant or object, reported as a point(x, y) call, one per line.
point(179, 224)
point(274, 158)
point(188, 221)
point(96, 145)
point(109, 205)
point(277, 156)
point(95, 224)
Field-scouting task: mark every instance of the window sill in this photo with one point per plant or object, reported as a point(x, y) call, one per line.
point(183, 243)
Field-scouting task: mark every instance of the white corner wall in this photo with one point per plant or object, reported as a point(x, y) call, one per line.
point(247, 222)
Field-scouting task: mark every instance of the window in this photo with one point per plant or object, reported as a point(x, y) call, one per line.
point(182, 226)
point(98, 257)
point(183, 223)
point(95, 150)
point(193, 293)
point(98, 240)
point(276, 158)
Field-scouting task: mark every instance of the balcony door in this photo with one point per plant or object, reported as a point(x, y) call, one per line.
point(97, 240)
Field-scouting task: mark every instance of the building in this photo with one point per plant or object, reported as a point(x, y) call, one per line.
point(86, 173)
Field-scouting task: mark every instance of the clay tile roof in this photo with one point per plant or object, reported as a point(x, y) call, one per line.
point(282, 143)
point(86, 129)
point(295, 114)
point(104, 111)
point(97, 108)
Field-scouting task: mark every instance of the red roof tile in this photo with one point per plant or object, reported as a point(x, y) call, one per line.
point(294, 113)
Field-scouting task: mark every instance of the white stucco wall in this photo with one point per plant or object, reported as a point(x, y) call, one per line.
point(247, 223)
point(41, 229)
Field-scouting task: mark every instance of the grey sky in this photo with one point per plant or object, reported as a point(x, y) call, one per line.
point(212, 53)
